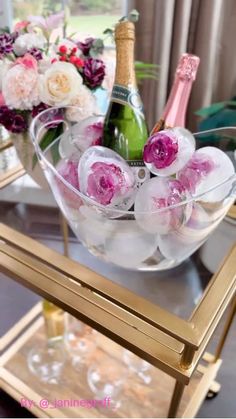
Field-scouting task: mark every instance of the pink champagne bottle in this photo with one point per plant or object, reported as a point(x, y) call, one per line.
point(174, 114)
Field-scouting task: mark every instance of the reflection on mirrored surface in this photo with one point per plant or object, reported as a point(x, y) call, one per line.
point(8, 159)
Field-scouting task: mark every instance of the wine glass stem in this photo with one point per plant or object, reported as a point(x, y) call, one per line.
point(53, 315)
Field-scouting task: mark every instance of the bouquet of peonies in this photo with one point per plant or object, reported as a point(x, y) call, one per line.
point(37, 73)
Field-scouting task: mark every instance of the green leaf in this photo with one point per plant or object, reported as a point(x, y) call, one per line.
point(211, 110)
point(5, 29)
point(133, 16)
point(123, 19)
point(141, 64)
point(231, 103)
point(47, 139)
point(108, 31)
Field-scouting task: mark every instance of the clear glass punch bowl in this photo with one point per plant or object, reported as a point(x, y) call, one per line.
point(117, 236)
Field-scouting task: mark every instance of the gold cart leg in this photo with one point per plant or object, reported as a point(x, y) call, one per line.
point(176, 399)
point(64, 229)
point(229, 320)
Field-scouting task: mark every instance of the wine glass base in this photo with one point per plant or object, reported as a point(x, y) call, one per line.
point(46, 362)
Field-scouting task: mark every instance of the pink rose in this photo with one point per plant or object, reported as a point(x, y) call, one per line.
point(20, 26)
point(107, 182)
point(28, 61)
point(2, 101)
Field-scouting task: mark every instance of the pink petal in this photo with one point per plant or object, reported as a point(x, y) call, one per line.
point(53, 21)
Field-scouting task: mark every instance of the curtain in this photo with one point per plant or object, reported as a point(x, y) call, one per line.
point(166, 29)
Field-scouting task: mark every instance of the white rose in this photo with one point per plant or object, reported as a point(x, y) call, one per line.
point(60, 84)
point(85, 105)
point(27, 41)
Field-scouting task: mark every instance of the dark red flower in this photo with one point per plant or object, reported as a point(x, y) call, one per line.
point(6, 43)
point(13, 121)
point(85, 46)
point(93, 72)
point(37, 54)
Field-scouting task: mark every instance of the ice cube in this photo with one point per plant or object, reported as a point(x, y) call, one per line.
point(95, 228)
point(208, 168)
point(128, 245)
point(167, 151)
point(106, 178)
point(183, 242)
point(67, 197)
point(153, 204)
point(82, 135)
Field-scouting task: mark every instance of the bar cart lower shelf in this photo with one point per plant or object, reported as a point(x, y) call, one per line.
point(137, 399)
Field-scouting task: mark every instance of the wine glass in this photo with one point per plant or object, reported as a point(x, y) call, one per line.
point(79, 341)
point(106, 377)
point(137, 366)
point(47, 358)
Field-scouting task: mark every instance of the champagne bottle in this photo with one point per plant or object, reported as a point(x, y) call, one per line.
point(125, 129)
point(174, 113)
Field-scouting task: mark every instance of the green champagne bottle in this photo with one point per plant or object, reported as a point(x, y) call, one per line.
point(125, 129)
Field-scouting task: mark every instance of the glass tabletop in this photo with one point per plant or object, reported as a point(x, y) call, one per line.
point(178, 290)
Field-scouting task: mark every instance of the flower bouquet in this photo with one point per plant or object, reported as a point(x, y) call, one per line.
point(38, 71)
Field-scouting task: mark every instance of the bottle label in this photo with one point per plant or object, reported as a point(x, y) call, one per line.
point(141, 173)
point(127, 96)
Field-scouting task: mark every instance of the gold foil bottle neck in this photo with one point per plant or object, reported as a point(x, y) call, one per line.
point(125, 30)
point(125, 37)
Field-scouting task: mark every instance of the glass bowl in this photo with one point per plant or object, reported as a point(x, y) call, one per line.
point(117, 236)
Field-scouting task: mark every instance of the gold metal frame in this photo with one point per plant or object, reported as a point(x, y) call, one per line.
point(10, 175)
point(168, 342)
point(5, 144)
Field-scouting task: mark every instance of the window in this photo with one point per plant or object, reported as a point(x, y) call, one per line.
point(85, 17)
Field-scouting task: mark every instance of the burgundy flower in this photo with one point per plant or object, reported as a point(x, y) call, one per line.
point(6, 117)
point(106, 182)
point(19, 124)
point(195, 170)
point(85, 46)
point(13, 121)
point(37, 54)
point(39, 108)
point(93, 72)
point(6, 43)
point(52, 119)
point(161, 150)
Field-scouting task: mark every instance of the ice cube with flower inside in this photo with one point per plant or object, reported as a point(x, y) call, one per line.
point(167, 151)
point(106, 178)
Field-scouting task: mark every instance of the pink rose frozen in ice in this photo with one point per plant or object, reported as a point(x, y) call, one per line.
point(161, 150)
point(68, 169)
point(197, 169)
point(166, 152)
point(107, 182)
point(94, 132)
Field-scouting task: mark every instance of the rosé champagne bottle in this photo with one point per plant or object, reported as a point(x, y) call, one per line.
point(174, 114)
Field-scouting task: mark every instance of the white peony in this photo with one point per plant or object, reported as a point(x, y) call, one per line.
point(60, 84)
point(20, 87)
point(27, 41)
point(4, 66)
point(85, 105)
